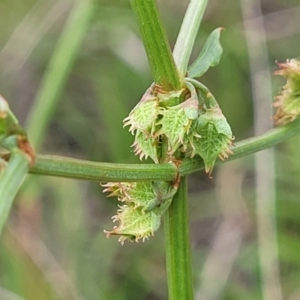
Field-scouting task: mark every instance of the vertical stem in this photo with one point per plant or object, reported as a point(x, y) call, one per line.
point(156, 44)
point(180, 284)
point(166, 74)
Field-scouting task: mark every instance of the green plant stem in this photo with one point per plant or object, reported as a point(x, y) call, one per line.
point(88, 170)
point(177, 240)
point(156, 45)
point(187, 34)
point(166, 74)
point(10, 182)
point(247, 146)
point(99, 171)
point(58, 71)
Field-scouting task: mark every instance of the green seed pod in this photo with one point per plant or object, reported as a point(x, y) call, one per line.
point(211, 138)
point(142, 117)
point(288, 101)
point(175, 123)
point(142, 121)
point(145, 203)
point(134, 224)
point(146, 146)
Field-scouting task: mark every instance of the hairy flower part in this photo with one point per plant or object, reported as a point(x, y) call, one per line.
point(145, 203)
point(146, 194)
point(134, 224)
point(142, 121)
point(145, 146)
point(142, 117)
point(212, 138)
point(121, 190)
point(141, 193)
point(175, 123)
point(288, 101)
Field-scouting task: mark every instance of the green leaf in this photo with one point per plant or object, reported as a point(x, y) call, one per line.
point(209, 57)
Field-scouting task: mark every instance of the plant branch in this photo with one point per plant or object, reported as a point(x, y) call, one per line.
point(101, 171)
point(88, 170)
point(166, 74)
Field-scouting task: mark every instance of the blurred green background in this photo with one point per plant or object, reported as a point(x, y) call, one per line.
point(54, 247)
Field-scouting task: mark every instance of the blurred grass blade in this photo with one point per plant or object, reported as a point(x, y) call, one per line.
point(58, 70)
point(210, 55)
point(44, 13)
point(187, 34)
point(8, 295)
point(10, 182)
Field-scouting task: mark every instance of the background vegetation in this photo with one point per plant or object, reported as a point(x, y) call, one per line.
point(54, 246)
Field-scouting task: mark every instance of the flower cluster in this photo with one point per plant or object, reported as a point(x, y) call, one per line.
point(184, 122)
point(288, 101)
point(143, 205)
point(180, 124)
point(169, 126)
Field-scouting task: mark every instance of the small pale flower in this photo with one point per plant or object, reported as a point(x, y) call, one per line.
point(288, 101)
